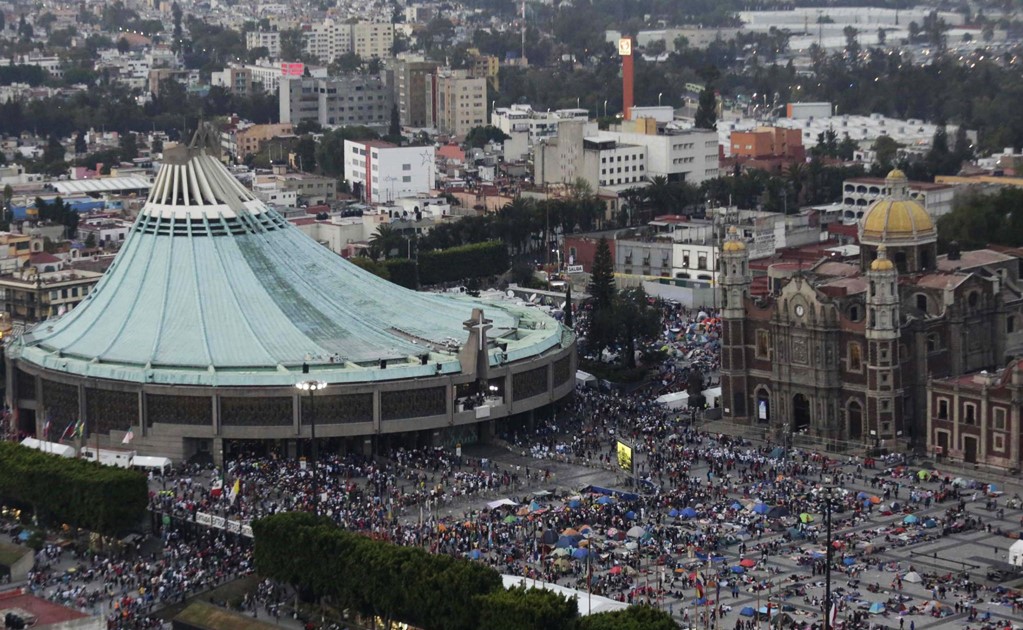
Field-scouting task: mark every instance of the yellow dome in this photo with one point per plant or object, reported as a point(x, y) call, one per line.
point(882, 264)
point(896, 174)
point(733, 246)
point(896, 220)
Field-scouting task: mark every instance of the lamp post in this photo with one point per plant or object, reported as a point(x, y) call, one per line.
point(827, 566)
point(605, 108)
point(659, 95)
point(312, 387)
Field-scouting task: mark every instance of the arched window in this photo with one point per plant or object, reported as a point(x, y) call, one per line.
point(973, 299)
point(921, 302)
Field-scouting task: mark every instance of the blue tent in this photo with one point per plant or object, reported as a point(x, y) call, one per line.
point(564, 542)
point(688, 513)
point(761, 508)
point(580, 553)
point(736, 506)
point(862, 495)
point(605, 500)
point(795, 534)
point(929, 523)
point(672, 512)
point(816, 555)
point(778, 453)
point(738, 569)
point(717, 559)
point(575, 503)
point(475, 554)
point(630, 515)
point(848, 561)
point(699, 602)
point(778, 512)
point(877, 607)
point(911, 520)
point(747, 611)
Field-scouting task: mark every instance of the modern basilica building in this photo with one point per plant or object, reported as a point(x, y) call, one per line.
point(220, 326)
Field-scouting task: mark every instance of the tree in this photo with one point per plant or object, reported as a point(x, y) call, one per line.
point(176, 14)
point(634, 318)
point(602, 293)
point(882, 35)
point(81, 146)
point(522, 609)
point(123, 46)
point(885, 149)
point(394, 129)
point(706, 109)
point(129, 146)
point(479, 137)
point(305, 153)
point(632, 618)
point(385, 242)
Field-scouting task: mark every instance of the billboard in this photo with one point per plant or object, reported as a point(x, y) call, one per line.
point(624, 456)
point(292, 69)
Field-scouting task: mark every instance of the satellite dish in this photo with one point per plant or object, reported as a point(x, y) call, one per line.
point(511, 293)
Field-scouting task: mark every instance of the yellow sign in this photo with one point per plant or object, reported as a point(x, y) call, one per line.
point(625, 457)
point(625, 47)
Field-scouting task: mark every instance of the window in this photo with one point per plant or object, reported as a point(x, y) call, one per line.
point(886, 405)
point(998, 443)
point(969, 413)
point(406, 167)
point(1010, 324)
point(855, 357)
point(999, 419)
point(973, 299)
point(884, 354)
point(942, 409)
point(885, 379)
point(933, 342)
point(921, 302)
point(406, 179)
point(763, 344)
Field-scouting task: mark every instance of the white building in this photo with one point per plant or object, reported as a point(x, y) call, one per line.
point(328, 40)
point(521, 118)
point(387, 172)
point(859, 193)
point(460, 102)
point(690, 155)
point(271, 40)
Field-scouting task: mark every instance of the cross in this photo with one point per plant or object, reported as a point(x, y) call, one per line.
point(480, 324)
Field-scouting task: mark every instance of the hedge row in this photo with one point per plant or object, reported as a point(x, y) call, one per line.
point(454, 264)
point(79, 493)
point(407, 584)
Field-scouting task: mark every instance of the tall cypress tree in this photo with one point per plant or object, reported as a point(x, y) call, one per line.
point(602, 292)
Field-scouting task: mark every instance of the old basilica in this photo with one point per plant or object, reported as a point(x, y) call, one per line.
point(844, 351)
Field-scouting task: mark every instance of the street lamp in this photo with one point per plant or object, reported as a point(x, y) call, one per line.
point(312, 387)
point(659, 95)
point(827, 567)
point(605, 108)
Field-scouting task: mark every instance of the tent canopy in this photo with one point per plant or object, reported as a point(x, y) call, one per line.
point(1016, 554)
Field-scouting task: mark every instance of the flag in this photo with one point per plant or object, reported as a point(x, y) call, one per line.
point(834, 614)
point(79, 428)
point(699, 588)
point(128, 437)
point(69, 432)
point(47, 428)
point(236, 489)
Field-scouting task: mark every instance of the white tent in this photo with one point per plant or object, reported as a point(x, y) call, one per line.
point(678, 400)
point(53, 448)
point(161, 465)
point(585, 379)
point(1016, 554)
point(588, 604)
point(712, 394)
point(913, 577)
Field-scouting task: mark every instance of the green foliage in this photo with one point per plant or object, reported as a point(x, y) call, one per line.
point(706, 109)
point(522, 609)
point(634, 318)
point(32, 75)
point(632, 618)
point(83, 494)
point(479, 137)
point(981, 219)
point(602, 292)
point(59, 212)
point(476, 260)
point(330, 151)
point(374, 267)
point(372, 577)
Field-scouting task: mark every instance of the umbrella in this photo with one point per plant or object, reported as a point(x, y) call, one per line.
point(631, 545)
point(605, 500)
point(570, 532)
point(564, 542)
point(636, 532)
point(875, 499)
point(672, 512)
point(736, 506)
point(913, 577)
point(876, 608)
point(748, 563)
point(848, 561)
point(747, 611)
point(549, 537)
point(688, 513)
point(862, 496)
point(511, 519)
point(805, 518)
point(561, 552)
point(615, 570)
point(923, 475)
point(613, 533)
point(739, 570)
point(580, 554)
point(585, 530)
point(761, 508)
point(475, 554)
point(911, 519)
point(930, 523)
point(575, 503)
point(630, 515)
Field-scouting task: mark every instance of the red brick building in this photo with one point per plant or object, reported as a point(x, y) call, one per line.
point(976, 418)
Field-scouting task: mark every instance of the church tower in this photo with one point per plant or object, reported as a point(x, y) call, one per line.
point(884, 387)
point(734, 275)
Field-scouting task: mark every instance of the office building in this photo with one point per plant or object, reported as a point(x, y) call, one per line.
point(385, 172)
point(357, 100)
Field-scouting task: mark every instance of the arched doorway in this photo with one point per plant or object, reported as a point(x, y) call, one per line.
point(800, 413)
point(855, 414)
point(763, 405)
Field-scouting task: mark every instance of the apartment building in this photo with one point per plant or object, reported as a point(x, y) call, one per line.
point(358, 100)
point(329, 40)
point(386, 172)
point(411, 82)
point(461, 102)
point(271, 40)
